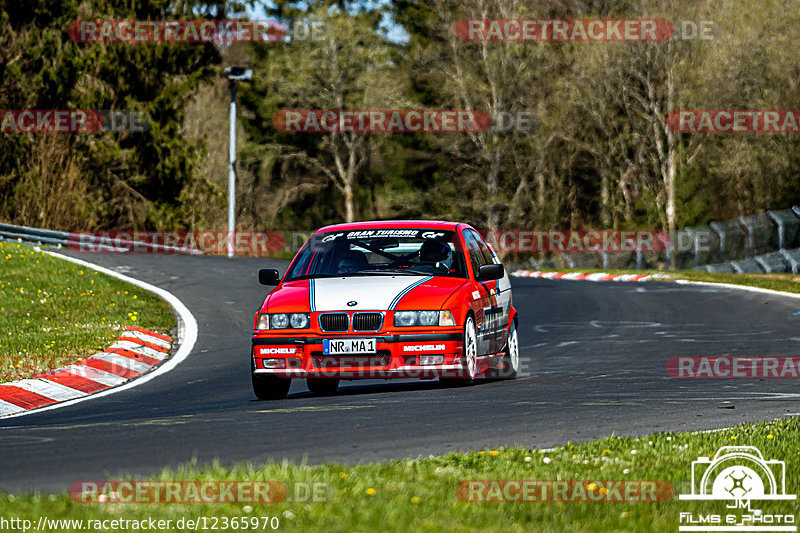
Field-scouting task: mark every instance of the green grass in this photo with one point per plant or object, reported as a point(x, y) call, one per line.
point(53, 312)
point(420, 494)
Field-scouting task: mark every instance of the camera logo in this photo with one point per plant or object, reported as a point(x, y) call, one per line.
point(739, 476)
point(738, 473)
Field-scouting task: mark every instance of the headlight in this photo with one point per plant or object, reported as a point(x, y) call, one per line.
point(423, 318)
point(299, 320)
point(279, 321)
point(405, 318)
point(428, 318)
point(284, 321)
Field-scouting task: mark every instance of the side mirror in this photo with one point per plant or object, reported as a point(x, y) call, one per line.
point(490, 272)
point(269, 276)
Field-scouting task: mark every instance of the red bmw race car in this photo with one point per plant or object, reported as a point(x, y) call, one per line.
point(393, 299)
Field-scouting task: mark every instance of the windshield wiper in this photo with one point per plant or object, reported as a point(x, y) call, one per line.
point(393, 271)
point(312, 276)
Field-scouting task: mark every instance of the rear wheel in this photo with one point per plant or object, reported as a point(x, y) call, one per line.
point(511, 357)
point(323, 386)
point(267, 387)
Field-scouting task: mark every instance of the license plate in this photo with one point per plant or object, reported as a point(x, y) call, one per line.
point(347, 346)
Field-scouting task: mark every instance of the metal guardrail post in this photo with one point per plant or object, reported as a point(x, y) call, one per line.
point(719, 231)
point(750, 249)
point(793, 262)
point(781, 229)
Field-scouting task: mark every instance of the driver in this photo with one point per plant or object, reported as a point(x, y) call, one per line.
point(352, 261)
point(434, 252)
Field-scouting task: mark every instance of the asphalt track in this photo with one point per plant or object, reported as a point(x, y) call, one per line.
point(594, 353)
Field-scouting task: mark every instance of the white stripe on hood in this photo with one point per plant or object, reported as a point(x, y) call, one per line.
point(369, 292)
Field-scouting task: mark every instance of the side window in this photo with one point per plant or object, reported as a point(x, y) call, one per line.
point(474, 251)
point(485, 250)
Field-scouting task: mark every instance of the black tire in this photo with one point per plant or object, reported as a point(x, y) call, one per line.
point(322, 386)
point(268, 387)
point(510, 364)
point(470, 335)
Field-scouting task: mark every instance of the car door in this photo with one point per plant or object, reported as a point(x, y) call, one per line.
point(500, 295)
point(482, 304)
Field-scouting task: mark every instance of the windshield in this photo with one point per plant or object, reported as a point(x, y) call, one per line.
point(380, 252)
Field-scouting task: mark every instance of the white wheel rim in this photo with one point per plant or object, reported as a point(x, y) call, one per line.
point(471, 349)
point(513, 350)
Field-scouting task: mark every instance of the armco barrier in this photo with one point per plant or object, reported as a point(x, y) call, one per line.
point(765, 242)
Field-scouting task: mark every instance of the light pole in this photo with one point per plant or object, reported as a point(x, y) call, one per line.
point(234, 74)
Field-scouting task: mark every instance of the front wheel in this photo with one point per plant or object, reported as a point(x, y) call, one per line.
point(469, 353)
point(268, 387)
point(323, 386)
point(511, 357)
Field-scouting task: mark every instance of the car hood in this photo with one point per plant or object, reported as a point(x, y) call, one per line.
point(363, 293)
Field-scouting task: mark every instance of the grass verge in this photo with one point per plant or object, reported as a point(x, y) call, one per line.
point(53, 312)
point(421, 494)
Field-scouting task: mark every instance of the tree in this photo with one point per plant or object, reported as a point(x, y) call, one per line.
point(351, 69)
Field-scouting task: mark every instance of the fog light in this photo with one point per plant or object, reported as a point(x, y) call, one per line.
point(273, 363)
point(426, 360)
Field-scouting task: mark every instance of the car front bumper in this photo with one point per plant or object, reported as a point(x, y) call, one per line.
point(397, 356)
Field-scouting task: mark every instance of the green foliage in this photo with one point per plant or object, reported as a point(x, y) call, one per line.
point(128, 176)
point(600, 154)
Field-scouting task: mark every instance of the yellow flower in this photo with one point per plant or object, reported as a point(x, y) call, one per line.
point(494, 453)
point(606, 451)
point(343, 475)
point(371, 491)
point(481, 452)
point(592, 486)
point(415, 499)
point(769, 436)
point(604, 491)
point(733, 437)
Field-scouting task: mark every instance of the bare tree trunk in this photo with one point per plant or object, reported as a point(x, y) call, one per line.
point(604, 201)
point(670, 178)
point(492, 217)
point(348, 202)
